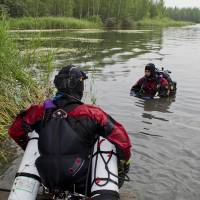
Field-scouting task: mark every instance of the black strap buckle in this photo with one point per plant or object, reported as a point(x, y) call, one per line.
point(59, 114)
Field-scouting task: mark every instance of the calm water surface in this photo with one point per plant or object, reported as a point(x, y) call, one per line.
point(166, 167)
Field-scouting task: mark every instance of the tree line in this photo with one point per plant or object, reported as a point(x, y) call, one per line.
point(103, 9)
point(119, 9)
point(185, 14)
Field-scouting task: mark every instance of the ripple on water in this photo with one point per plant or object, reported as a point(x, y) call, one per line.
point(163, 168)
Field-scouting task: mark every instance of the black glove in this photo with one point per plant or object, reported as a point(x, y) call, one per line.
point(127, 167)
point(123, 167)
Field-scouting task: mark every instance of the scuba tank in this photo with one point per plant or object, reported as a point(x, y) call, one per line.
point(27, 180)
point(104, 172)
point(104, 177)
point(166, 74)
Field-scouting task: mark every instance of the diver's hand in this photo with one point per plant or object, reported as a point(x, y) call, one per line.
point(124, 166)
point(127, 167)
point(123, 169)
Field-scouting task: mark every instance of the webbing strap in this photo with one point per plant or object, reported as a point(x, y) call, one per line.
point(33, 176)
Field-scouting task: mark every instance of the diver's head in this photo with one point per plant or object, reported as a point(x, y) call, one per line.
point(70, 80)
point(150, 70)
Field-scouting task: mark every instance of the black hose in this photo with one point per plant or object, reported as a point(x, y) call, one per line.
point(124, 178)
point(4, 190)
point(88, 173)
point(119, 177)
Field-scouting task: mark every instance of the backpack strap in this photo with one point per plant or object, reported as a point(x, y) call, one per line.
point(49, 108)
point(158, 77)
point(142, 86)
point(56, 110)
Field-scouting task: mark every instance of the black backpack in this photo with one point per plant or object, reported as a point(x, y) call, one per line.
point(166, 74)
point(63, 154)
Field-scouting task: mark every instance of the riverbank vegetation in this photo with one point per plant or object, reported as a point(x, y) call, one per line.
point(18, 86)
point(45, 14)
point(53, 23)
point(162, 22)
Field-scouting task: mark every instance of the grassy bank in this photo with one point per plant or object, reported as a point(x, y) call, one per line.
point(53, 23)
point(18, 86)
point(31, 23)
point(162, 22)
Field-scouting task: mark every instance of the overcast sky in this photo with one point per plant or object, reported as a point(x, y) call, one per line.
point(182, 3)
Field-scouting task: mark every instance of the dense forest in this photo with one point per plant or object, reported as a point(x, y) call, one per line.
point(136, 9)
point(118, 9)
point(185, 14)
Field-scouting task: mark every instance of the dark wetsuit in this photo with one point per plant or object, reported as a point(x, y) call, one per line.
point(148, 87)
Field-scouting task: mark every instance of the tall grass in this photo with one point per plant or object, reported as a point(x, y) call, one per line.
point(18, 86)
point(73, 23)
point(161, 22)
point(53, 23)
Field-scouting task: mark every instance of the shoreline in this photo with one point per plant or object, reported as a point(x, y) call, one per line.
point(53, 24)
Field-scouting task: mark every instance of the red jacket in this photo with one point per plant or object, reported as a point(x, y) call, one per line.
point(149, 87)
point(92, 117)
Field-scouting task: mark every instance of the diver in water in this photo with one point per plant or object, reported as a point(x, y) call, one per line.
point(68, 130)
point(152, 84)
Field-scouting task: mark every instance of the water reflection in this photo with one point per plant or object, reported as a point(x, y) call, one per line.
point(161, 105)
point(150, 116)
point(109, 48)
point(154, 113)
point(164, 168)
